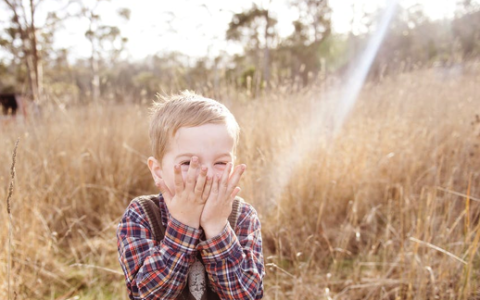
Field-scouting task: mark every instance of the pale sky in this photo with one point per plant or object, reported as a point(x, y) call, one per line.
point(197, 28)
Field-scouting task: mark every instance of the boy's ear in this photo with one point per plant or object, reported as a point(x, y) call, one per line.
point(155, 168)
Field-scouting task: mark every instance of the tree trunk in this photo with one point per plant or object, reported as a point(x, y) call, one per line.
point(266, 54)
point(27, 47)
point(34, 53)
point(95, 82)
point(95, 76)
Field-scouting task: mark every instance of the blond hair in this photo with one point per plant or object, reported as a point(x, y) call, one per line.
point(186, 109)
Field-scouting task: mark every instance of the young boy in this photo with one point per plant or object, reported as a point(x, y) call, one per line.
point(193, 142)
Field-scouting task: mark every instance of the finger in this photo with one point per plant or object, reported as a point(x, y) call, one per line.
point(235, 178)
point(191, 174)
point(224, 181)
point(235, 192)
point(200, 185)
point(215, 188)
point(178, 179)
point(207, 189)
point(164, 190)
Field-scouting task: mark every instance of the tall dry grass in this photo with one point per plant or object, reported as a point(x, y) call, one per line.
point(387, 209)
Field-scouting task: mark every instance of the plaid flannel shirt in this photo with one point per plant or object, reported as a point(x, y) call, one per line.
point(159, 270)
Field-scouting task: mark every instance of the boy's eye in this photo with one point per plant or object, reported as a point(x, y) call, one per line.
point(186, 163)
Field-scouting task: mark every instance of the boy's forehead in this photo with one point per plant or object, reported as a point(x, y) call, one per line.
point(208, 135)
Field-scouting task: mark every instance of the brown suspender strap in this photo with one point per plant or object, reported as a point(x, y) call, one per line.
point(150, 206)
point(232, 219)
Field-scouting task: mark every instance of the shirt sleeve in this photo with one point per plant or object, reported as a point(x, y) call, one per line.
point(154, 270)
point(234, 260)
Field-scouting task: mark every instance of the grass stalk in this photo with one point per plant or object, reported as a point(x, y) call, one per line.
point(10, 219)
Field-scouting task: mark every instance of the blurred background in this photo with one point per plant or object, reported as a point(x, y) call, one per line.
point(78, 51)
point(360, 127)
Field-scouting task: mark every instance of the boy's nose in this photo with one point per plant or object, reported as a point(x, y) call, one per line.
point(210, 172)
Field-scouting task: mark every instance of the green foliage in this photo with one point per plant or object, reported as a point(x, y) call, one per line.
point(247, 76)
point(467, 31)
point(125, 13)
point(250, 24)
point(147, 82)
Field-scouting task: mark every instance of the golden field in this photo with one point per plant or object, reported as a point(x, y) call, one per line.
point(386, 208)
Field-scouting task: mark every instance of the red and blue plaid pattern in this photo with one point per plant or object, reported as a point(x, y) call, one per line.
point(233, 260)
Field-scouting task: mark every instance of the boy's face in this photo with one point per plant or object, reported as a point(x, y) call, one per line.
point(211, 143)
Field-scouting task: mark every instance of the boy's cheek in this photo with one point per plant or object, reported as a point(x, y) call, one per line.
point(220, 169)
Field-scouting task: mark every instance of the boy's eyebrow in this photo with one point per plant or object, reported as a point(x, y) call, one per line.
point(192, 154)
point(185, 154)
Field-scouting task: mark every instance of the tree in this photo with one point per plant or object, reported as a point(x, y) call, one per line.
point(305, 47)
point(30, 44)
point(315, 15)
point(99, 35)
point(254, 29)
point(466, 30)
point(23, 28)
point(466, 6)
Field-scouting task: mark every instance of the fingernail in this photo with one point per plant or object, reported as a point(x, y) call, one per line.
point(194, 159)
point(204, 168)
